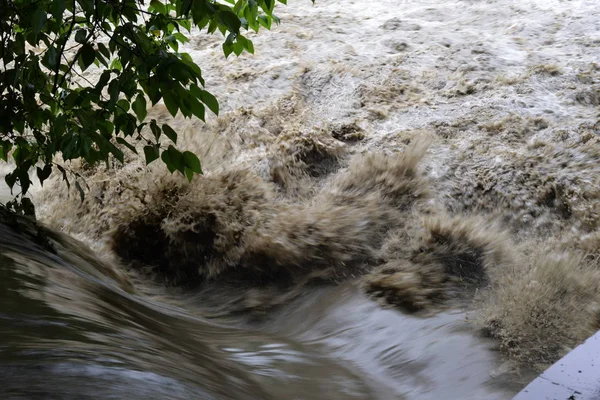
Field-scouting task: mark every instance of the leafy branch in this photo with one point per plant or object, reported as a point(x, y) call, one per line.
point(50, 107)
point(62, 49)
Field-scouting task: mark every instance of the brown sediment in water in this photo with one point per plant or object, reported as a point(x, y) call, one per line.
point(540, 188)
point(233, 225)
point(196, 229)
point(444, 258)
point(290, 197)
point(372, 217)
point(298, 158)
point(543, 306)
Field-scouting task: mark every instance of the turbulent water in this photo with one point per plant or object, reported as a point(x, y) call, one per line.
point(400, 200)
point(72, 328)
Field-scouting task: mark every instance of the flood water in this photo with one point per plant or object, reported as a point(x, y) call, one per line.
point(440, 154)
point(70, 332)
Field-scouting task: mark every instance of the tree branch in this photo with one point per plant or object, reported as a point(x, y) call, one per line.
point(64, 77)
point(112, 37)
point(60, 54)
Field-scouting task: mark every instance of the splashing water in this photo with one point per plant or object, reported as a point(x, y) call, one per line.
point(436, 157)
point(83, 332)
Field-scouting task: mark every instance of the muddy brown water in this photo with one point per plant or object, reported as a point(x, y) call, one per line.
point(508, 91)
point(70, 332)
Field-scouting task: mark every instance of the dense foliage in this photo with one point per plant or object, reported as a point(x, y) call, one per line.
point(50, 106)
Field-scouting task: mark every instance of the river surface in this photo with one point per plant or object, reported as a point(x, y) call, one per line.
point(71, 332)
point(507, 93)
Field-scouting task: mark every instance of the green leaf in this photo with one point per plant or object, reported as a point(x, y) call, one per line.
point(130, 12)
point(170, 102)
point(238, 48)
point(87, 54)
point(152, 90)
point(10, 180)
point(186, 5)
point(64, 175)
point(123, 104)
point(264, 21)
point(23, 178)
point(80, 36)
point(210, 101)
point(192, 162)
point(27, 207)
point(127, 144)
point(103, 80)
point(177, 158)
point(167, 160)
point(170, 133)
point(151, 153)
point(71, 99)
point(139, 107)
point(158, 6)
point(38, 20)
point(231, 21)
point(116, 64)
point(249, 46)
point(172, 41)
point(116, 152)
point(120, 120)
point(193, 67)
point(104, 50)
point(131, 125)
point(155, 129)
point(19, 124)
point(105, 127)
point(186, 24)
point(243, 43)
point(80, 190)
point(50, 58)
point(197, 108)
point(268, 6)
point(58, 9)
point(196, 91)
point(44, 173)
point(101, 59)
point(181, 72)
point(88, 6)
point(173, 159)
point(227, 49)
point(189, 174)
point(181, 37)
point(184, 103)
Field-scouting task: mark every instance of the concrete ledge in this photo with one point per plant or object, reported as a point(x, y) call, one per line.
point(574, 377)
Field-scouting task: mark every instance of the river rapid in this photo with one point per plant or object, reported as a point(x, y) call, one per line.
point(400, 200)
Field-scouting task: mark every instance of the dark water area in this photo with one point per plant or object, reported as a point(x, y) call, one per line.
point(69, 334)
point(69, 331)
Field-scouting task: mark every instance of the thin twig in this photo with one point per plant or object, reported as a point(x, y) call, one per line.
point(62, 49)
